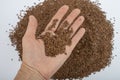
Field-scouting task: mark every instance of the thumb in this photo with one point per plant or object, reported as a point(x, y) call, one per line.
point(32, 26)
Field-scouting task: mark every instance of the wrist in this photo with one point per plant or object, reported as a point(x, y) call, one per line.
point(28, 73)
point(46, 72)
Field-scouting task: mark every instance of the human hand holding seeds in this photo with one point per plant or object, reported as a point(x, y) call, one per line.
point(34, 56)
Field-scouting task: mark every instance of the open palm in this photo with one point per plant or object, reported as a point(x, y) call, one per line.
point(34, 49)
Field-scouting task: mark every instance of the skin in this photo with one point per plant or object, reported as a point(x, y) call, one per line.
point(34, 49)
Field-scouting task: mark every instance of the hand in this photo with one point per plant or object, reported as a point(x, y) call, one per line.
point(34, 49)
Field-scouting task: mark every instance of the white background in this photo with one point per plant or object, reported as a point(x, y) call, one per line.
point(8, 11)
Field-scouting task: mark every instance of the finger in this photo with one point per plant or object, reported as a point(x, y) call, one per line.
point(57, 18)
point(77, 38)
point(32, 26)
point(70, 18)
point(76, 25)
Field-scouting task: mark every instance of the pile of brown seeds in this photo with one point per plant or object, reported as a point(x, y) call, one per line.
point(55, 42)
point(94, 50)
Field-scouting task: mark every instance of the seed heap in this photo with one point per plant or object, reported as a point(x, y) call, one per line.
point(55, 42)
point(94, 50)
